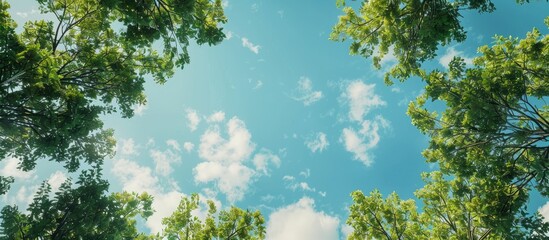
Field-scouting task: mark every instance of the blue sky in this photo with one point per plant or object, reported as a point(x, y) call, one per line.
point(277, 118)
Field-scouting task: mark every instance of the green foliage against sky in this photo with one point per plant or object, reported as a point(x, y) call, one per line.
point(88, 211)
point(61, 75)
point(496, 119)
point(492, 135)
point(84, 211)
point(57, 77)
point(411, 30)
point(452, 209)
point(233, 223)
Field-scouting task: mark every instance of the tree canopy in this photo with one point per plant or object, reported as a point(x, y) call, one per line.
point(233, 223)
point(411, 29)
point(58, 76)
point(88, 211)
point(493, 133)
point(495, 125)
point(81, 212)
point(452, 209)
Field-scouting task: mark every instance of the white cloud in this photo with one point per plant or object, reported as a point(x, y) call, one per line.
point(225, 3)
point(389, 58)
point(261, 160)
point(362, 99)
point(173, 144)
point(249, 45)
point(232, 179)
point(305, 92)
point(228, 35)
point(139, 109)
point(164, 161)
point(128, 147)
point(300, 221)
point(346, 230)
point(288, 178)
point(193, 119)
point(188, 146)
point(224, 159)
point(258, 84)
point(218, 116)
point(25, 195)
point(361, 142)
point(213, 147)
point(544, 211)
point(26, 14)
point(303, 186)
point(395, 89)
point(56, 179)
point(10, 169)
point(305, 173)
point(318, 143)
point(136, 178)
point(451, 52)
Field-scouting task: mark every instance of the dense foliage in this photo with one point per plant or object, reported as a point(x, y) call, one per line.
point(490, 141)
point(58, 76)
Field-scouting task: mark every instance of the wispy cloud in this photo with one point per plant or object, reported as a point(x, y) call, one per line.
point(27, 14)
point(164, 160)
point(188, 146)
point(362, 141)
point(262, 159)
point(317, 143)
point(192, 119)
point(249, 45)
point(305, 93)
point(451, 52)
point(127, 147)
point(228, 35)
point(139, 109)
point(218, 116)
point(362, 99)
point(10, 168)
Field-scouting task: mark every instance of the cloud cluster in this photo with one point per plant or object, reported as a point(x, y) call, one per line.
point(362, 100)
point(300, 221)
point(225, 159)
point(318, 143)
point(294, 185)
point(305, 93)
point(262, 159)
point(155, 181)
point(362, 141)
point(165, 159)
